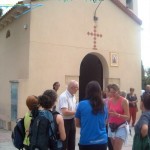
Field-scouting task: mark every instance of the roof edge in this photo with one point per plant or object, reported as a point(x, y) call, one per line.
point(127, 11)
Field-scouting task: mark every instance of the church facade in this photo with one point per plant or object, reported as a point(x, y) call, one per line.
point(55, 40)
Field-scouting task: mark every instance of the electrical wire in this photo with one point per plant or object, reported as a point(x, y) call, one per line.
point(95, 18)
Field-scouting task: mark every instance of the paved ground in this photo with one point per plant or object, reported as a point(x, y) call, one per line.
point(6, 144)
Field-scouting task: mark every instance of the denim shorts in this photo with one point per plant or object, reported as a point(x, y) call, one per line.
point(120, 133)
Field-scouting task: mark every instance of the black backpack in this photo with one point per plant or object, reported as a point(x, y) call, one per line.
point(43, 133)
point(55, 142)
point(18, 134)
point(39, 133)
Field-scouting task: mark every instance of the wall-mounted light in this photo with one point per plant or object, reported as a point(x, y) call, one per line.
point(95, 18)
point(25, 26)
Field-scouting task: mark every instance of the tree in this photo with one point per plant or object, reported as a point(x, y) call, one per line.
point(1, 12)
point(145, 74)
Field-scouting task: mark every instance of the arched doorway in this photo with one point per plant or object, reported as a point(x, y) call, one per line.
point(90, 69)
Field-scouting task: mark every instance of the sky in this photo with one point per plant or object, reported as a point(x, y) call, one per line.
point(144, 15)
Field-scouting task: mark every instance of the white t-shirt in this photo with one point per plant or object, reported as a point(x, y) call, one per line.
point(66, 100)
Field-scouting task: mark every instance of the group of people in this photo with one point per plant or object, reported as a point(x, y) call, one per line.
point(103, 120)
point(45, 105)
point(41, 106)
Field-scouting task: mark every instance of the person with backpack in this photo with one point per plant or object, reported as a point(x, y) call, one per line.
point(32, 104)
point(141, 140)
point(42, 129)
point(58, 119)
point(20, 133)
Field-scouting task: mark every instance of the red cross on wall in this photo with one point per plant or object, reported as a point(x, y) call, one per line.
point(95, 35)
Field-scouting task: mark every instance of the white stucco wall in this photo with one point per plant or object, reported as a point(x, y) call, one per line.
point(62, 36)
point(14, 61)
point(55, 43)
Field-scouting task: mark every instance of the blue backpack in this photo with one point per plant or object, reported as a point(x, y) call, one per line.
point(18, 134)
point(42, 132)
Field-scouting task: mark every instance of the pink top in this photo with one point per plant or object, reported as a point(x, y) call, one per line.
point(116, 107)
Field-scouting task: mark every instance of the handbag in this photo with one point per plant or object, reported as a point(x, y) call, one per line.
point(141, 143)
point(114, 126)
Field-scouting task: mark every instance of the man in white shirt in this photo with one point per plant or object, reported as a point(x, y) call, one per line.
point(67, 107)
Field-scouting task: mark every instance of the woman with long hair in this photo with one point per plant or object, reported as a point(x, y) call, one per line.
point(91, 117)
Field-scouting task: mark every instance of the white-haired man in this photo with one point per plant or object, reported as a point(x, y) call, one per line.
point(67, 107)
